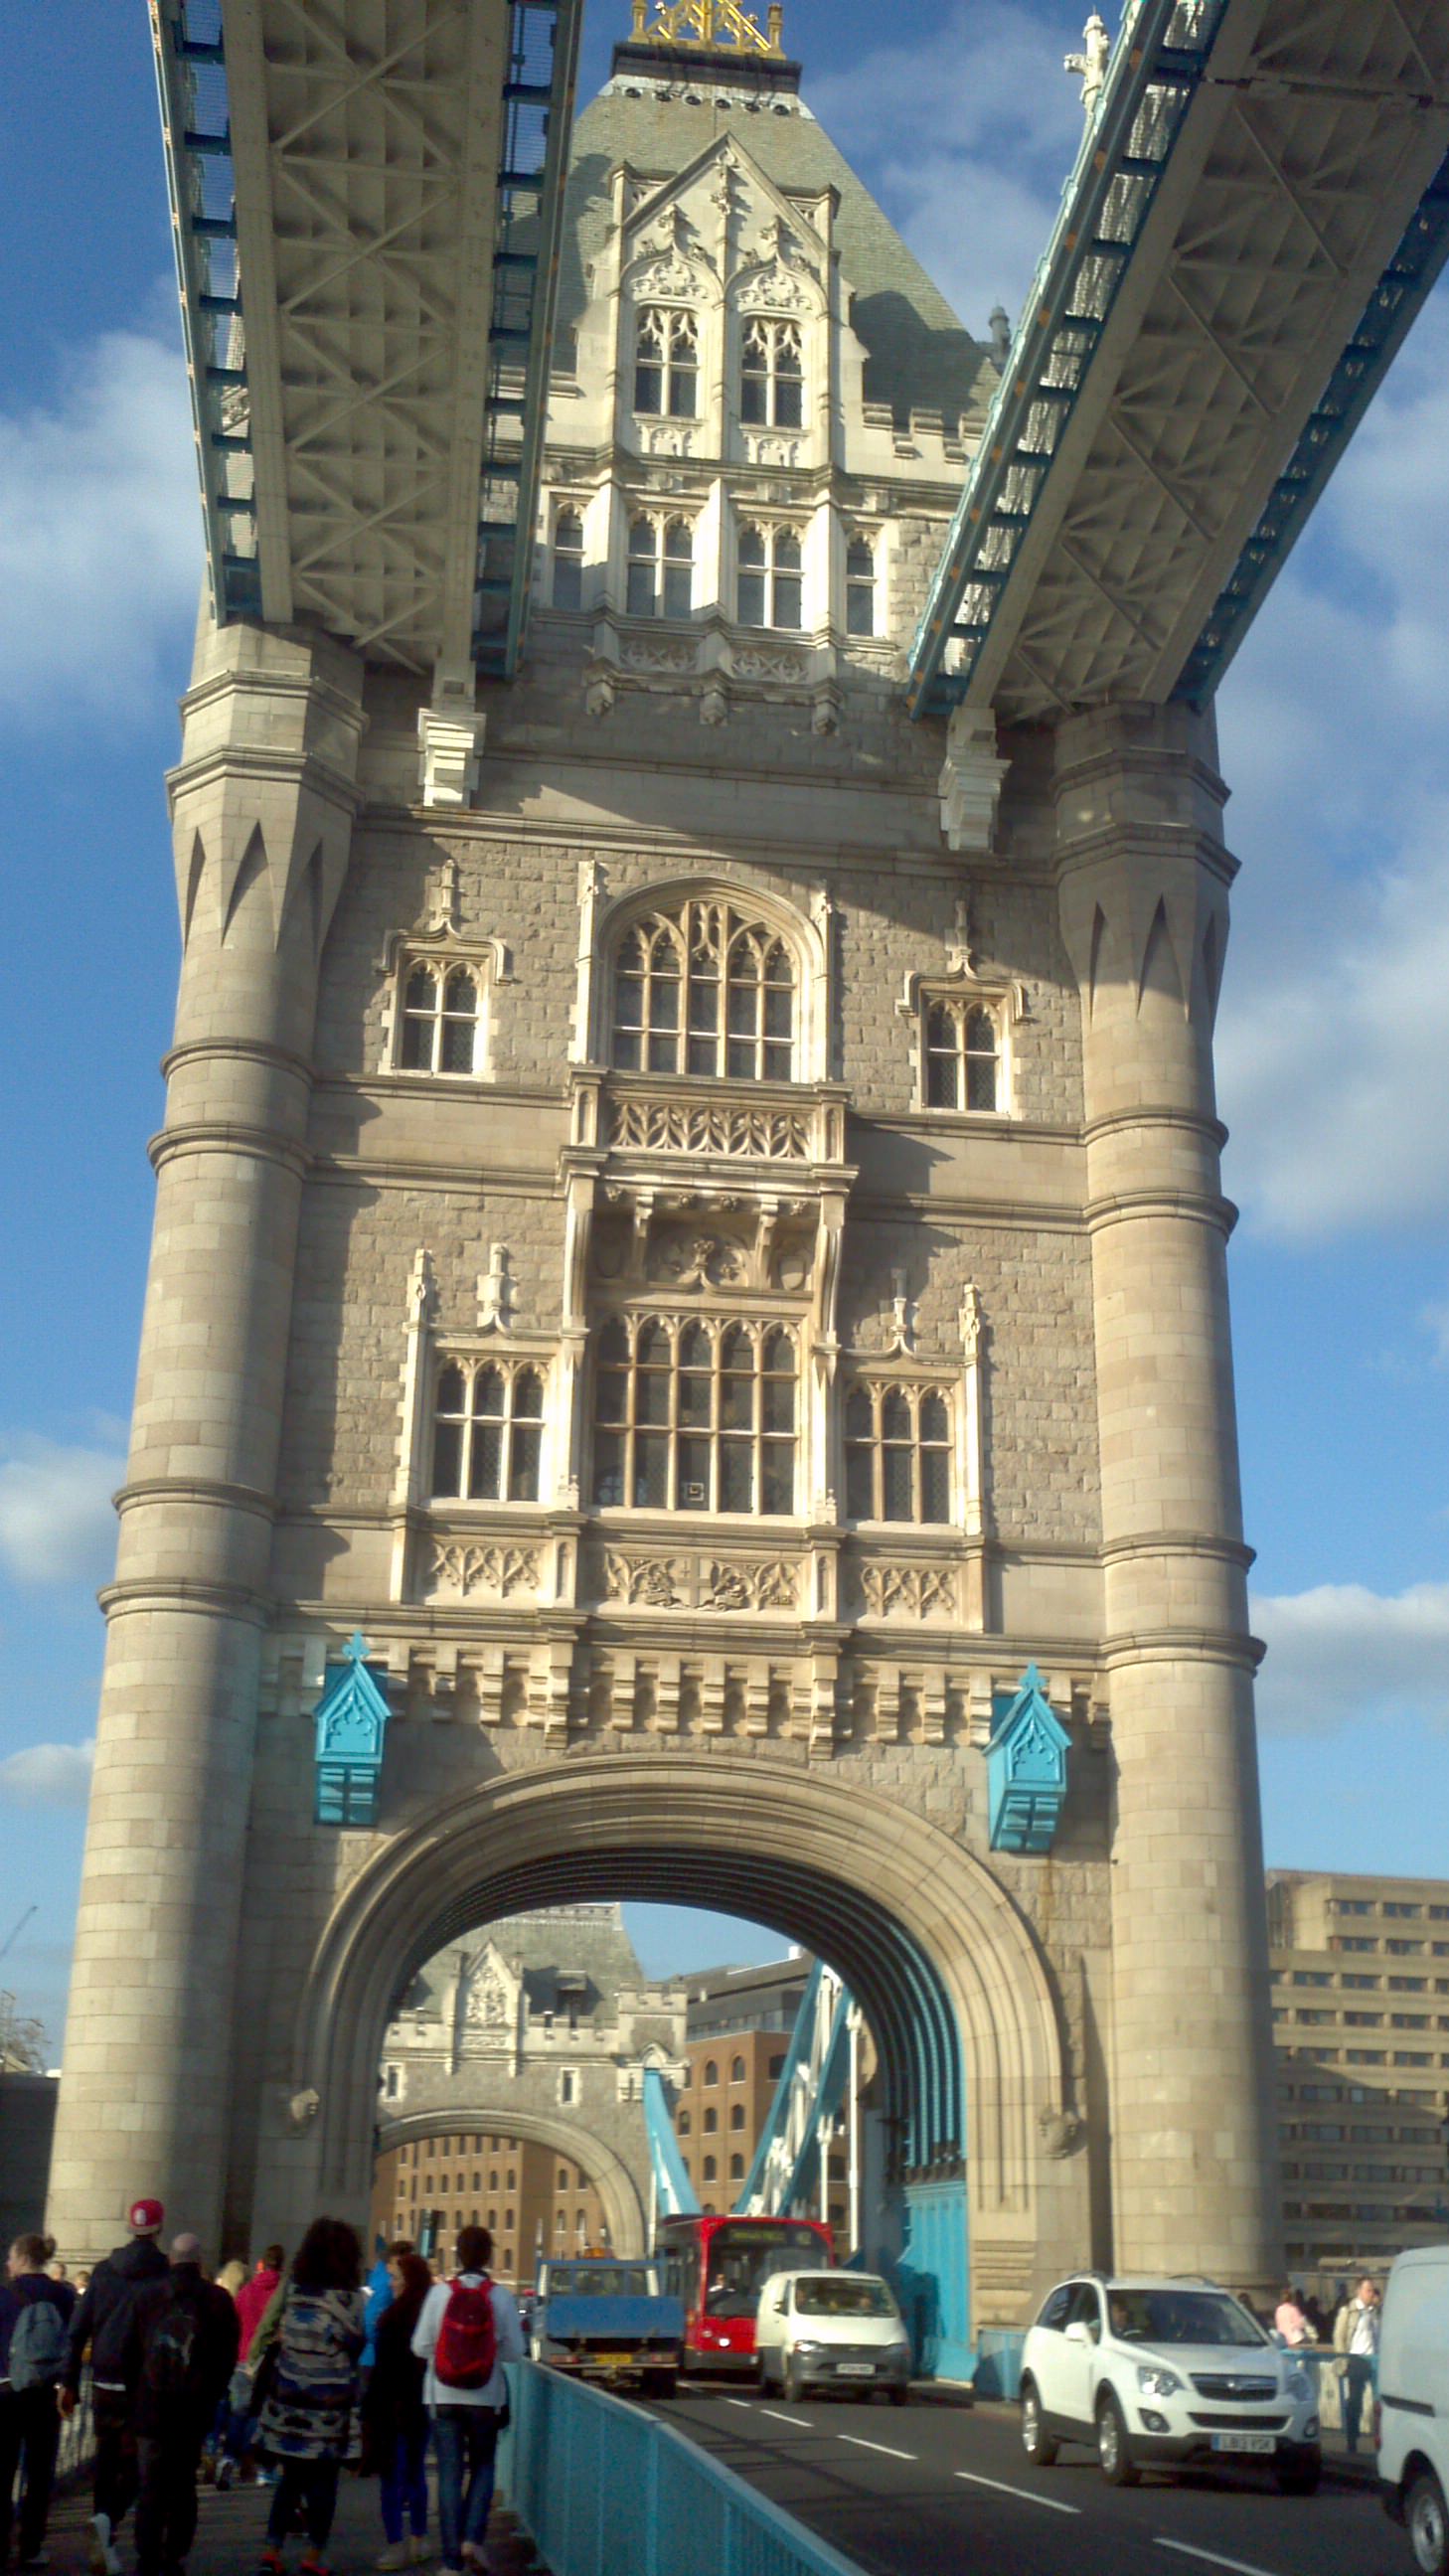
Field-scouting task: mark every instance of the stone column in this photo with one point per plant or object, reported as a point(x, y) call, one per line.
point(262, 809)
point(1143, 886)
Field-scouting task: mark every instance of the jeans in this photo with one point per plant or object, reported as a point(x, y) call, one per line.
point(467, 2437)
point(166, 2503)
point(306, 2492)
point(116, 2471)
point(1360, 2377)
point(29, 2429)
point(405, 2486)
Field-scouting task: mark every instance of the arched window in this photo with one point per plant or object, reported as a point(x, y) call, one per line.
point(704, 990)
point(769, 585)
point(695, 1417)
point(682, 2123)
point(666, 364)
point(772, 382)
point(963, 1055)
point(737, 2070)
point(737, 2116)
point(709, 2169)
point(711, 2121)
point(661, 568)
point(860, 587)
point(568, 559)
point(711, 2071)
point(897, 1454)
point(440, 1017)
point(487, 1432)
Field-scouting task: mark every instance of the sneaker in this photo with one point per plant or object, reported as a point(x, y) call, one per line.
point(225, 2474)
point(419, 2549)
point(269, 2560)
point(313, 2564)
point(394, 2556)
point(100, 2542)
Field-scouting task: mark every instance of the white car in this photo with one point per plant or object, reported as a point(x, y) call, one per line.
point(1413, 2403)
point(1153, 2372)
point(831, 2330)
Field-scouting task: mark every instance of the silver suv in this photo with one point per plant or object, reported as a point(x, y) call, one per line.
point(1154, 2372)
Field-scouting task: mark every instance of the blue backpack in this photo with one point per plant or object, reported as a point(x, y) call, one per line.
point(38, 2345)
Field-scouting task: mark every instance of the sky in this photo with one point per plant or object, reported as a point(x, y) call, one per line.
point(1333, 1038)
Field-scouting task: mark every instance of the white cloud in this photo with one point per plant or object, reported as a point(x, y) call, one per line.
point(56, 1522)
point(100, 533)
point(1340, 1655)
point(48, 1775)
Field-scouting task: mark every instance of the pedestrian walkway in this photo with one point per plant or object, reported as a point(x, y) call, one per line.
point(230, 2530)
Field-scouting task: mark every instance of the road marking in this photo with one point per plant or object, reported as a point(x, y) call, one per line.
point(861, 2444)
point(1185, 2549)
point(1027, 2495)
point(775, 2416)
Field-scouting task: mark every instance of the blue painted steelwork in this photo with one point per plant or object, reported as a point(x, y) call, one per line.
point(832, 2077)
point(605, 2490)
point(1395, 303)
point(196, 128)
point(1156, 65)
point(351, 1720)
point(674, 2194)
point(998, 2362)
point(1026, 1768)
point(932, 2280)
point(538, 102)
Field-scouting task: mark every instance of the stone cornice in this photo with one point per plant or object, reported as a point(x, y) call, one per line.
point(1183, 1646)
point(1201, 1207)
point(1171, 1542)
point(294, 769)
point(1125, 1122)
point(1115, 843)
point(196, 1489)
point(160, 1595)
point(236, 1049)
point(222, 1136)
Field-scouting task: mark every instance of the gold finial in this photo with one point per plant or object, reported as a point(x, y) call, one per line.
point(709, 22)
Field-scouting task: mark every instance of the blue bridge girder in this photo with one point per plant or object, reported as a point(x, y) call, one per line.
point(1258, 210)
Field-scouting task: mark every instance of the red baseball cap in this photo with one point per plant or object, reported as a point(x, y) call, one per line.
point(144, 2217)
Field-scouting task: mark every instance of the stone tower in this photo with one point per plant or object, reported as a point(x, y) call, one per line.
point(690, 1229)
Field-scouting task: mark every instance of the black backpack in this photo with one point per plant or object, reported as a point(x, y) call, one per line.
point(172, 2358)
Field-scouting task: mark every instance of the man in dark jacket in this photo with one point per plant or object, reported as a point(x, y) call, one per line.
point(34, 2325)
point(181, 2351)
point(103, 2321)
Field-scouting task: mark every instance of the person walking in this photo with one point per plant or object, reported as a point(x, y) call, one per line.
point(180, 2352)
point(35, 2314)
point(1356, 2341)
point(256, 2295)
point(102, 2321)
point(467, 2330)
point(1291, 2317)
point(395, 2415)
point(316, 2330)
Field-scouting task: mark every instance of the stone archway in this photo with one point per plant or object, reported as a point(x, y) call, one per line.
point(616, 2186)
point(893, 1902)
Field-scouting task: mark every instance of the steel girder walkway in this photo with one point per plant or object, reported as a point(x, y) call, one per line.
point(1258, 210)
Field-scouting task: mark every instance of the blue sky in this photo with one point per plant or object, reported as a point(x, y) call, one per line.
point(1334, 1040)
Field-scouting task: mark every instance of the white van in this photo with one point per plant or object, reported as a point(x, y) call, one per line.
point(840, 2330)
point(1413, 2400)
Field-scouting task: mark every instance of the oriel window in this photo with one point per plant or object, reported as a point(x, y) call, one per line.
point(666, 364)
point(695, 1416)
point(772, 380)
point(661, 568)
point(860, 587)
point(487, 1432)
point(897, 1454)
point(705, 991)
point(963, 1056)
point(769, 581)
point(568, 560)
point(440, 1018)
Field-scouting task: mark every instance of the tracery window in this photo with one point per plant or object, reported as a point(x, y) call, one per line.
point(897, 1454)
point(695, 1416)
point(772, 376)
point(962, 1055)
point(769, 582)
point(661, 568)
point(568, 559)
point(860, 587)
point(704, 990)
point(441, 1017)
point(487, 1431)
point(666, 364)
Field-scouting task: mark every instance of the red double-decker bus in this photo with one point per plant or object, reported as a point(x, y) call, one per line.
point(717, 2267)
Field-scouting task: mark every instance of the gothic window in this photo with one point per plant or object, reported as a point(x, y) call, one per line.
point(737, 2070)
point(770, 590)
point(661, 568)
point(963, 1055)
point(695, 1416)
point(666, 364)
point(860, 587)
point(772, 380)
point(711, 2121)
point(441, 1017)
point(897, 1454)
point(737, 2168)
point(711, 2071)
point(487, 1431)
point(568, 559)
point(704, 990)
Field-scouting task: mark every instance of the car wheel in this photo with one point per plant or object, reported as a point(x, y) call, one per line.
point(1427, 2524)
point(1301, 2479)
point(794, 2384)
point(1113, 2457)
point(1038, 2445)
point(899, 2396)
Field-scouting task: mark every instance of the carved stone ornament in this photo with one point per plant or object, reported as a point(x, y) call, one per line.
point(685, 1260)
point(698, 1127)
point(302, 2110)
point(767, 662)
point(753, 1583)
point(1060, 2132)
point(504, 1571)
point(490, 2002)
point(646, 1582)
point(970, 781)
point(908, 1591)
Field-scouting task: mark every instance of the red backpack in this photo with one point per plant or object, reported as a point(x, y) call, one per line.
point(467, 2349)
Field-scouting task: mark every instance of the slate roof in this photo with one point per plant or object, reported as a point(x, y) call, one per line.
point(588, 1940)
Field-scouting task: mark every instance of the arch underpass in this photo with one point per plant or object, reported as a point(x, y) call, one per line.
point(617, 2187)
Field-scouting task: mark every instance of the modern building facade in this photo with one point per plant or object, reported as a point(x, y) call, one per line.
point(687, 1345)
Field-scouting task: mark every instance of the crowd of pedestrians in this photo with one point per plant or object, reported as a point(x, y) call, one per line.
point(289, 2373)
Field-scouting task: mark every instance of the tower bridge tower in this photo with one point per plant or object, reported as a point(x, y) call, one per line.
point(689, 1230)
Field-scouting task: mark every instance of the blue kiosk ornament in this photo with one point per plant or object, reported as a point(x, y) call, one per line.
point(1026, 1768)
point(351, 1721)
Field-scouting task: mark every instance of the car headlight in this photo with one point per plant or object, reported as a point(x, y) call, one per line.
point(1156, 2380)
point(811, 2348)
point(1298, 2386)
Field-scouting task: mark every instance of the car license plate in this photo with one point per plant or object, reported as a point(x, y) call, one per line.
point(855, 2370)
point(1244, 2442)
point(614, 2360)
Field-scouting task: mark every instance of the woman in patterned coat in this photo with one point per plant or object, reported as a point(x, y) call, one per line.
point(307, 2345)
